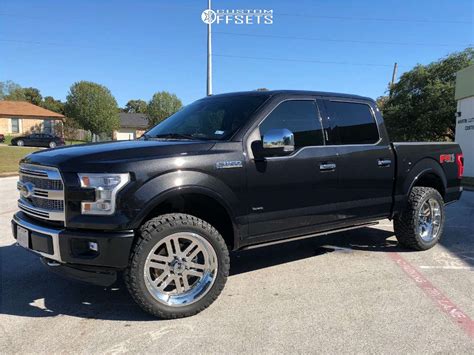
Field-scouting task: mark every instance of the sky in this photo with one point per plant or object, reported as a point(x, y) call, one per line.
point(136, 48)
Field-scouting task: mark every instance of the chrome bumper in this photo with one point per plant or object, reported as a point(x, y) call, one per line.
point(53, 233)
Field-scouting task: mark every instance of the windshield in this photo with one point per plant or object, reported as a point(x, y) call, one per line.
point(215, 118)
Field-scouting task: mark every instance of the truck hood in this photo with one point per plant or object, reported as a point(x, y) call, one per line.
point(108, 155)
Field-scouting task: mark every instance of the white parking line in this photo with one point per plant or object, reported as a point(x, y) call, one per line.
point(447, 267)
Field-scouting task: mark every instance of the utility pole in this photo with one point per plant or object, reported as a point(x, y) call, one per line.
point(394, 77)
point(209, 56)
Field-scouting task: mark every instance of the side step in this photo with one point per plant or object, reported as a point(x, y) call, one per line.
point(280, 241)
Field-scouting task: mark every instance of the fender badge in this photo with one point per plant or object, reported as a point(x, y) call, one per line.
point(229, 164)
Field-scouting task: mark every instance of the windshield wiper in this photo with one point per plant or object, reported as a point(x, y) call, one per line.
point(174, 136)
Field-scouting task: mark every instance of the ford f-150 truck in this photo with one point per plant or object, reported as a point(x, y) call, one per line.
point(225, 173)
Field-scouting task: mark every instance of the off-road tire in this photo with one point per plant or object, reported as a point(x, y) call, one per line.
point(151, 233)
point(405, 225)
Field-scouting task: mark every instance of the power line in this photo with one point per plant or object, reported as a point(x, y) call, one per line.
point(342, 40)
point(342, 18)
point(382, 19)
point(305, 60)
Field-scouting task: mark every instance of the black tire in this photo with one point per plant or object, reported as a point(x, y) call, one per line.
point(151, 233)
point(405, 225)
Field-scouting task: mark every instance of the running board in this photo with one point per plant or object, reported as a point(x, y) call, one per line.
point(280, 241)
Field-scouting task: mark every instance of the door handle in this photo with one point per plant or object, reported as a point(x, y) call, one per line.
point(327, 166)
point(384, 162)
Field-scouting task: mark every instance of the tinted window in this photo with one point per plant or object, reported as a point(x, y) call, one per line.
point(354, 123)
point(210, 118)
point(300, 117)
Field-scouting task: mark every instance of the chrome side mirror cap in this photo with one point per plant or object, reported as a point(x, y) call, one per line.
point(279, 140)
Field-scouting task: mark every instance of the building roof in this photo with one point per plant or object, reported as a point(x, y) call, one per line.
point(25, 109)
point(464, 83)
point(133, 120)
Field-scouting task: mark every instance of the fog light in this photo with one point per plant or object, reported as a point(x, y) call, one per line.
point(93, 246)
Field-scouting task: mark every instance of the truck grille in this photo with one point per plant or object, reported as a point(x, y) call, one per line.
point(43, 183)
point(41, 192)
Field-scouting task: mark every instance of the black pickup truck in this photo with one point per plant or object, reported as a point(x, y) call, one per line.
point(224, 173)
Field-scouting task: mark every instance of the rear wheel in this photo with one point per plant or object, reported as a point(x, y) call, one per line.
point(421, 224)
point(178, 267)
point(20, 143)
point(52, 144)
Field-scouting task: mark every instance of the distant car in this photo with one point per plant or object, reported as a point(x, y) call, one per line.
point(2, 138)
point(38, 140)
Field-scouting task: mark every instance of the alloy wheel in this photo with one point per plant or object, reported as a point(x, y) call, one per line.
point(180, 269)
point(429, 220)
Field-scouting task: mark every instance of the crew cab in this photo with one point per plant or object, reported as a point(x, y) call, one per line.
point(225, 173)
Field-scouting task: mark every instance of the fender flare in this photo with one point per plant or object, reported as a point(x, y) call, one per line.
point(157, 190)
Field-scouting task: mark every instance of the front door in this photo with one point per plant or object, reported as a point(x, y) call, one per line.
point(290, 195)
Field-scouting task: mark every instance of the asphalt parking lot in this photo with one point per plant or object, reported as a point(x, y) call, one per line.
point(349, 292)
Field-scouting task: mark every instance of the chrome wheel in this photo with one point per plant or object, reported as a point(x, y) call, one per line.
point(20, 143)
point(180, 269)
point(429, 220)
point(52, 144)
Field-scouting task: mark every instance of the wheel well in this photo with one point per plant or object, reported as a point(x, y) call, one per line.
point(431, 180)
point(201, 206)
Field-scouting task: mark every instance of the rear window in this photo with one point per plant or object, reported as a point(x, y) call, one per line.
point(354, 122)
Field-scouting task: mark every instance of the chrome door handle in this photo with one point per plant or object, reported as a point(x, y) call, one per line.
point(384, 162)
point(327, 166)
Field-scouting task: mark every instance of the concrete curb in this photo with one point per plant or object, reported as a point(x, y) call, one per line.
point(2, 175)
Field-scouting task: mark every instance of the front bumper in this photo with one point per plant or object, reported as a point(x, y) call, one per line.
point(65, 246)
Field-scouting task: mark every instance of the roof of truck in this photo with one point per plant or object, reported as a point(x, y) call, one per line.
point(293, 92)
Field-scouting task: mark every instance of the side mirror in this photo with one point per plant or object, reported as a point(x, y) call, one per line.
point(278, 141)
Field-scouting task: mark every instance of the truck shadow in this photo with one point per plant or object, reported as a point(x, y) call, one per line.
point(28, 289)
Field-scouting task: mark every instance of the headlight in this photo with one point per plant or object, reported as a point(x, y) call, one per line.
point(106, 187)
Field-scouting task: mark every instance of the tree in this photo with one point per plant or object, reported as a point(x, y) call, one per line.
point(381, 101)
point(50, 103)
point(93, 107)
point(7, 87)
point(162, 105)
point(422, 104)
point(32, 95)
point(135, 106)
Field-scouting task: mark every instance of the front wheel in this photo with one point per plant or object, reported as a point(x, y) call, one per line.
point(421, 224)
point(20, 143)
point(52, 144)
point(179, 266)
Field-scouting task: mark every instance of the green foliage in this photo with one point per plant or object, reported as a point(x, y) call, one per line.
point(162, 105)
point(7, 87)
point(135, 106)
point(93, 107)
point(50, 103)
point(381, 102)
point(32, 95)
point(422, 104)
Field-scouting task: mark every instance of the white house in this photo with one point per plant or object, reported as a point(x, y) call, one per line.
point(465, 117)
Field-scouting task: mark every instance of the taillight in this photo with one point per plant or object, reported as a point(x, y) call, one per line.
point(460, 164)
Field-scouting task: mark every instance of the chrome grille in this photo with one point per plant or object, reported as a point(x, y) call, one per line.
point(41, 192)
point(42, 183)
point(54, 205)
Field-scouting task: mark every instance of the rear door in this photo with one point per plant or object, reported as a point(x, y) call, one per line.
point(366, 161)
point(290, 195)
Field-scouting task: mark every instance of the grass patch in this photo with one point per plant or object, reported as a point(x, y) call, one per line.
point(11, 156)
point(8, 140)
